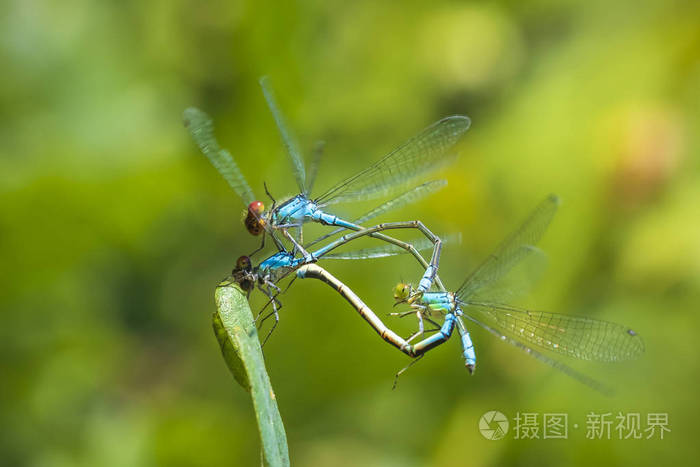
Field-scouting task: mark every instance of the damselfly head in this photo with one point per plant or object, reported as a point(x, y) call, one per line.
point(402, 292)
point(254, 221)
point(256, 207)
point(243, 264)
point(242, 273)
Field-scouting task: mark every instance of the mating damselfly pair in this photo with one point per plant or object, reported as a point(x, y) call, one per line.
point(480, 299)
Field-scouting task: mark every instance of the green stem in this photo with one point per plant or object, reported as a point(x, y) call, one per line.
point(238, 337)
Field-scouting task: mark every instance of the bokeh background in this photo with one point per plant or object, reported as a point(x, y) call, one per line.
point(114, 229)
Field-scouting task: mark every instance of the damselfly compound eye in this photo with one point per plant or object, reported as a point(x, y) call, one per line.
point(254, 222)
point(401, 291)
point(256, 207)
point(243, 263)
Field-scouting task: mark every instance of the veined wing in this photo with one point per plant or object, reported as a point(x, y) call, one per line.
point(564, 368)
point(202, 130)
point(419, 154)
point(518, 282)
point(315, 163)
point(410, 196)
point(574, 336)
point(287, 138)
point(383, 251)
point(512, 250)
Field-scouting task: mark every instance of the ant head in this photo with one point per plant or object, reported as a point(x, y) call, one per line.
point(254, 221)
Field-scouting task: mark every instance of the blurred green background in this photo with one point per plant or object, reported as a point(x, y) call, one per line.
point(114, 229)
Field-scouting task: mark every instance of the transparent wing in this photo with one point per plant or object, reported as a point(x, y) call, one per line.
point(564, 368)
point(411, 196)
point(383, 251)
point(315, 163)
point(512, 250)
point(518, 282)
point(574, 336)
point(287, 137)
point(202, 130)
point(423, 152)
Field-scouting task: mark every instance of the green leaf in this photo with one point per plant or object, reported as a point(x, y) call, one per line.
point(238, 337)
